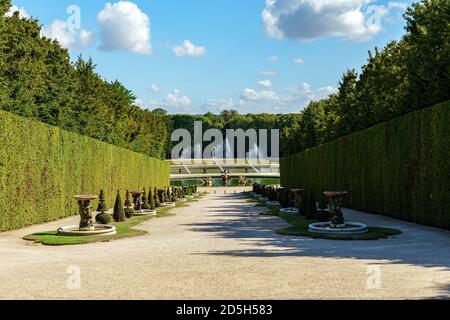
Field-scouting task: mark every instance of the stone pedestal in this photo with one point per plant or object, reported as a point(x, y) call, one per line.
point(86, 216)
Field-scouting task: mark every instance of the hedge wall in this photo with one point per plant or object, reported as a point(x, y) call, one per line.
point(400, 168)
point(43, 167)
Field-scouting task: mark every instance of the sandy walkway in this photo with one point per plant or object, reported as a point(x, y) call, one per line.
point(220, 248)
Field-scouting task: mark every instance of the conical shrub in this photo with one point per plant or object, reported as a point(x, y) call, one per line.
point(119, 212)
point(151, 200)
point(128, 203)
point(310, 206)
point(102, 206)
point(166, 195)
point(173, 196)
point(156, 197)
point(145, 204)
point(129, 211)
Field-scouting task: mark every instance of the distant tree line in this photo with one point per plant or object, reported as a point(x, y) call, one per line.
point(231, 119)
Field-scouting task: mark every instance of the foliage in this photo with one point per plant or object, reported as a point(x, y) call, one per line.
point(102, 206)
point(145, 204)
point(129, 212)
point(119, 213)
point(156, 197)
point(310, 206)
point(400, 168)
point(166, 195)
point(151, 199)
point(128, 203)
point(231, 119)
point(103, 218)
point(38, 179)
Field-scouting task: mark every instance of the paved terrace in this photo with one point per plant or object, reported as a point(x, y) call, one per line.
point(221, 248)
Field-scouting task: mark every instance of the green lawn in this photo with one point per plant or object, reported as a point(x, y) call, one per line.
point(124, 230)
point(300, 228)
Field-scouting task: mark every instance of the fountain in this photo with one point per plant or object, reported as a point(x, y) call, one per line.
point(285, 198)
point(225, 178)
point(141, 207)
point(87, 226)
point(229, 152)
point(273, 206)
point(337, 224)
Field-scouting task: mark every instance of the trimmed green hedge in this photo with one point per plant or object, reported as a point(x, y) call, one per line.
point(400, 168)
point(42, 167)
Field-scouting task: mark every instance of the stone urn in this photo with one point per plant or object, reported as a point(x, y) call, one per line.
point(137, 200)
point(86, 216)
point(335, 199)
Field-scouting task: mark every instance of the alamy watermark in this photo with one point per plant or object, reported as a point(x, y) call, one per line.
point(374, 280)
point(225, 146)
point(74, 20)
point(74, 279)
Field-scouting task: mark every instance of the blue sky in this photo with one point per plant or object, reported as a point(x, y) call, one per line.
point(229, 45)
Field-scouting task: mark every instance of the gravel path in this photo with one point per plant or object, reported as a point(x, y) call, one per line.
point(220, 248)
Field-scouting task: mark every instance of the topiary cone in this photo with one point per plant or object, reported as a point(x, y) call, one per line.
point(145, 204)
point(310, 207)
point(128, 203)
point(119, 212)
point(102, 207)
point(156, 197)
point(151, 200)
point(166, 195)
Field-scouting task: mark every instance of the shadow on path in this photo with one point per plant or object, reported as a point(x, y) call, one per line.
point(237, 219)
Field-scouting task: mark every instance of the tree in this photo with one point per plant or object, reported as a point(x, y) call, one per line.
point(428, 57)
point(145, 204)
point(310, 206)
point(129, 211)
point(119, 212)
point(102, 206)
point(347, 112)
point(151, 199)
point(156, 196)
point(4, 7)
point(160, 111)
point(227, 116)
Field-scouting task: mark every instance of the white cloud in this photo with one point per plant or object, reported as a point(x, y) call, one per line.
point(140, 103)
point(313, 19)
point(271, 102)
point(69, 38)
point(22, 12)
point(326, 91)
point(268, 73)
point(216, 106)
point(265, 83)
point(124, 27)
point(187, 48)
point(298, 61)
point(154, 88)
point(303, 88)
point(273, 58)
point(176, 100)
point(251, 95)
